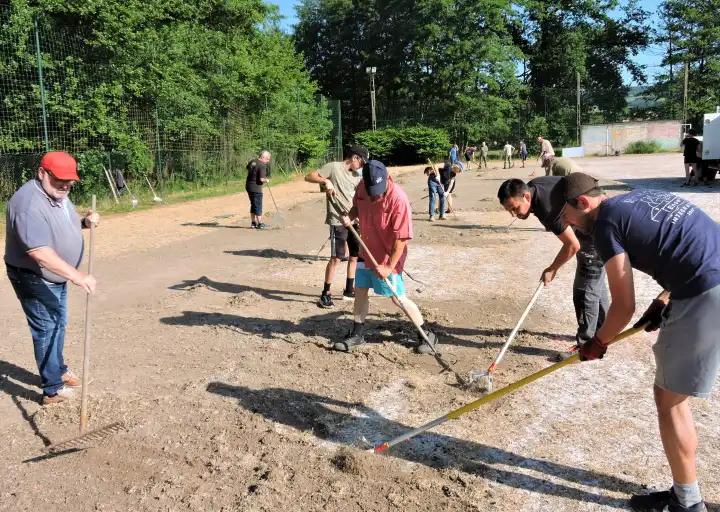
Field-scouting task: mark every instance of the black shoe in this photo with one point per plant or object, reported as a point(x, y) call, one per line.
point(253, 225)
point(261, 225)
point(349, 295)
point(325, 301)
point(350, 343)
point(662, 501)
point(423, 348)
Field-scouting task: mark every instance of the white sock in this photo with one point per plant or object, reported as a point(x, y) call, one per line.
point(687, 494)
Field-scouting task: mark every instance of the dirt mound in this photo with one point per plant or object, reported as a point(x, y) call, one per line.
point(350, 461)
point(244, 299)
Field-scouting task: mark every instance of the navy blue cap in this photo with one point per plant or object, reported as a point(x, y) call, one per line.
point(375, 177)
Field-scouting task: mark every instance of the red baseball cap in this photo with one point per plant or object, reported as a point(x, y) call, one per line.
point(62, 165)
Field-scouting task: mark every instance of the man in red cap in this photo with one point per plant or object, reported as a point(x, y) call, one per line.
point(43, 249)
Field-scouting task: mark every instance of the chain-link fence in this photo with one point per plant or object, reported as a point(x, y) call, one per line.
point(55, 96)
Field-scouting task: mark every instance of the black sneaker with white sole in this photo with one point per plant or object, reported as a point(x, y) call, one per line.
point(662, 501)
point(325, 301)
point(350, 343)
point(348, 295)
point(422, 347)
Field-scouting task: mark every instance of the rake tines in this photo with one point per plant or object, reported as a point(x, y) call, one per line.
point(87, 438)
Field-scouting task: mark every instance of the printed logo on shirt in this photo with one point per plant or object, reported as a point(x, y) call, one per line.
point(663, 205)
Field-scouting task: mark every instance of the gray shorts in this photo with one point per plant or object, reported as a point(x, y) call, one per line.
point(687, 352)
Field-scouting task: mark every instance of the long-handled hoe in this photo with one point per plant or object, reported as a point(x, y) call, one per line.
point(86, 436)
point(156, 197)
point(453, 415)
point(445, 365)
point(481, 380)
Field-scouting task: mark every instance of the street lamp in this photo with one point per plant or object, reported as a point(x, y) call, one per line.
point(371, 71)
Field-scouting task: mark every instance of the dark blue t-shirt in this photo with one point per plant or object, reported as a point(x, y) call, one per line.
point(667, 237)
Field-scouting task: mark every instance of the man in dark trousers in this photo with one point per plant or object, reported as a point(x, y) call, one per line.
point(258, 174)
point(339, 180)
point(43, 249)
point(543, 197)
point(677, 244)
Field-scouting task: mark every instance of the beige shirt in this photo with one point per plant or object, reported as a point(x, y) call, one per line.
point(547, 148)
point(345, 182)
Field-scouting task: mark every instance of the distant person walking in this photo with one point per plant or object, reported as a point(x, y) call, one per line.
point(435, 188)
point(523, 152)
point(258, 174)
point(547, 155)
point(508, 150)
point(339, 180)
point(691, 160)
point(470, 154)
point(453, 154)
point(43, 250)
point(483, 155)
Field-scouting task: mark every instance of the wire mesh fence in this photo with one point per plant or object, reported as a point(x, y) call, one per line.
point(59, 93)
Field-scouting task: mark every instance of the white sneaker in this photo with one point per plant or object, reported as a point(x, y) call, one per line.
point(63, 394)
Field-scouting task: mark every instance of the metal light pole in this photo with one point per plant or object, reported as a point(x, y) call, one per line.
point(371, 71)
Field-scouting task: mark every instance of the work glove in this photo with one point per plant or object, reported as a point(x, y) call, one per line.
point(652, 316)
point(593, 349)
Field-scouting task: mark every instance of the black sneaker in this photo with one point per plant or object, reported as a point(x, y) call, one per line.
point(253, 225)
point(350, 343)
point(260, 225)
point(423, 348)
point(662, 501)
point(325, 301)
point(349, 295)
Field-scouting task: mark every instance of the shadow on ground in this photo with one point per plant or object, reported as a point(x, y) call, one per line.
point(276, 254)
point(317, 414)
point(219, 286)
point(481, 227)
point(335, 325)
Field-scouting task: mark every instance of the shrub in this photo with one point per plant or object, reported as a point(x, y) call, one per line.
point(405, 145)
point(643, 146)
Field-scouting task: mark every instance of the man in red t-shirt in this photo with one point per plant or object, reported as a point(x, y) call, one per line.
point(385, 215)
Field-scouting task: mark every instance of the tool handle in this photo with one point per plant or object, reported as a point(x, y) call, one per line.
point(86, 347)
point(273, 199)
point(510, 388)
point(514, 332)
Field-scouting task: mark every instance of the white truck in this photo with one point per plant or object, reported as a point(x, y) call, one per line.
point(711, 144)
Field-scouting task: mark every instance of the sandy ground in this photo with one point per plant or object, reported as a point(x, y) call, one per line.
point(208, 345)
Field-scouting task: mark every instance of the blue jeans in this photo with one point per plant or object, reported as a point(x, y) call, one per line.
point(45, 307)
point(432, 203)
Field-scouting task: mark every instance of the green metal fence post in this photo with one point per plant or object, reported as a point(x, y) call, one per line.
point(339, 136)
point(158, 162)
point(42, 85)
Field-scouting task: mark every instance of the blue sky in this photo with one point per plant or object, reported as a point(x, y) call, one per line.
point(650, 58)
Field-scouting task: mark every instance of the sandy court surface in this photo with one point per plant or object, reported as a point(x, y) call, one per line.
point(208, 344)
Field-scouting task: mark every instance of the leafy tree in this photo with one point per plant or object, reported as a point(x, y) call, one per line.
point(690, 32)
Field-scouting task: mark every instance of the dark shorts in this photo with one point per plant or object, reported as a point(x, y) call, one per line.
point(338, 236)
point(255, 202)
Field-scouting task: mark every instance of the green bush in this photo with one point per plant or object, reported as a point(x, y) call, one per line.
point(643, 146)
point(405, 145)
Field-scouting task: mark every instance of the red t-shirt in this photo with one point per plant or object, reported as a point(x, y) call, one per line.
point(382, 222)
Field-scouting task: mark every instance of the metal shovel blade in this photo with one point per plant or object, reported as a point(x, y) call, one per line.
point(480, 381)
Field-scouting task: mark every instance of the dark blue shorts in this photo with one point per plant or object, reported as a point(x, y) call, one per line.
point(255, 202)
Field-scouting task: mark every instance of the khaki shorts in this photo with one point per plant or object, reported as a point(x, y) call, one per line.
point(687, 352)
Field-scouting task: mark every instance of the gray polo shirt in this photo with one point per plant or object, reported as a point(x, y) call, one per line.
point(35, 220)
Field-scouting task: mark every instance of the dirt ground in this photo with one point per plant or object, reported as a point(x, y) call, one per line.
point(208, 345)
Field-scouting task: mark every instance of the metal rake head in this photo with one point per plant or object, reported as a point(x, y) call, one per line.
point(87, 438)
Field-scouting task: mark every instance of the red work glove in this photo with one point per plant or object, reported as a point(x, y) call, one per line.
point(652, 316)
point(593, 349)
